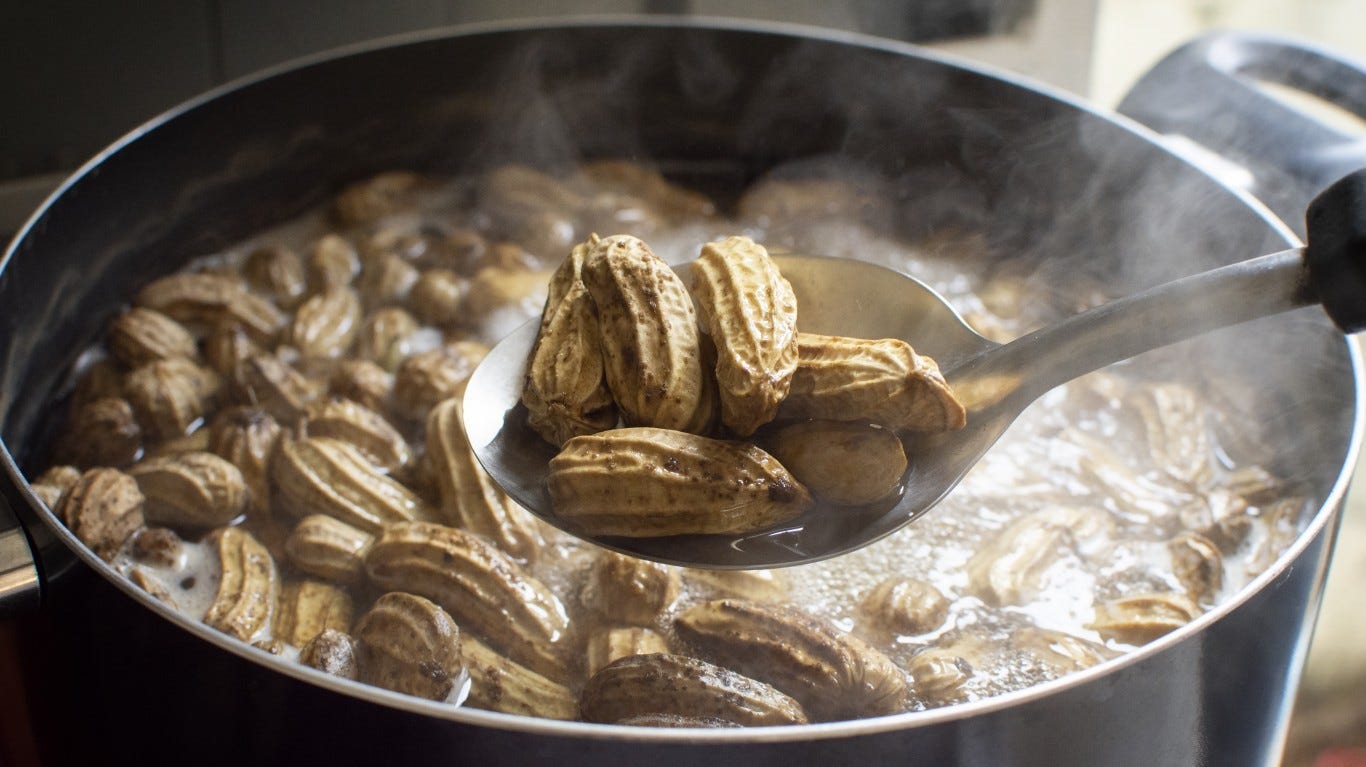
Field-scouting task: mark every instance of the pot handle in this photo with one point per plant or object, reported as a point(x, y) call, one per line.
point(1214, 92)
point(19, 584)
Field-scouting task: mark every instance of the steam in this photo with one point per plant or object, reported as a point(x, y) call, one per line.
point(1016, 188)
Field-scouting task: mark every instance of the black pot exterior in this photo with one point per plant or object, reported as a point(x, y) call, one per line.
point(1048, 182)
point(112, 681)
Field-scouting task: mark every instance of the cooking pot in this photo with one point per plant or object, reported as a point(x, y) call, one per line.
point(1048, 182)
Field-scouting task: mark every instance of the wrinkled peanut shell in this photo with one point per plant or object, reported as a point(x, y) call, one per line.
point(663, 482)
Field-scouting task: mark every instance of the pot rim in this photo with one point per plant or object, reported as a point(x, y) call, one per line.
point(1322, 518)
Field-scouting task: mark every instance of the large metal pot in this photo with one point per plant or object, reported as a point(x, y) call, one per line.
point(115, 675)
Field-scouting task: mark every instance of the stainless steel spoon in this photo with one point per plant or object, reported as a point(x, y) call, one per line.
point(995, 382)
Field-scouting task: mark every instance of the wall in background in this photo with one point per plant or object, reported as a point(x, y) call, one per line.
point(1131, 35)
point(77, 74)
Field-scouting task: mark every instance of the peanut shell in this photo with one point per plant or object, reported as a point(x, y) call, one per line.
point(647, 482)
point(651, 349)
point(750, 312)
point(842, 462)
point(317, 475)
point(328, 548)
point(663, 684)
point(566, 394)
point(103, 508)
point(408, 644)
point(191, 490)
point(470, 499)
point(884, 382)
point(140, 336)
point(833, 674)
point(500, 684)
point(248, 586)
point(485, 589)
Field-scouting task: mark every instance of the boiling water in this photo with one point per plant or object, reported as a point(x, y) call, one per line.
point(1047, 461)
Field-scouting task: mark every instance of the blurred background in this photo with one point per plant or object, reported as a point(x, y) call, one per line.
point(77, 75)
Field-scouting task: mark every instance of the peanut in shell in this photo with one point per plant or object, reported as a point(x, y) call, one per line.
point(318, 475)
point(51, 484)
point(486, 590)
point(427, 378)
point(1198, 565)
point(101, 432)
point(833, 674)
point(247, 437)
point(675, 685)
point(203, 300)
point(328, 548)
point(750, 312)
point(190, 490)
point(470, 499)
point(498, 683)
point(566, 394)
point(307, 608)
point(103, 508)
point(1140, 618)
point(905, 606)
point(277, 272)
point(332, 652)
point(1062, 651)
point(363, 382)
point(648, 482)
point(369, 200)
point(385, 337)
point(618, 642)
point(651, 345)
point(326, 323)
point(333, 262)
point(841, 462)
point(142, 335)
point(408, 644)
point(879, 381)
point(170, 396)
point(270, 383)
point(628, 591)
point(248, 585)
point(364, 429)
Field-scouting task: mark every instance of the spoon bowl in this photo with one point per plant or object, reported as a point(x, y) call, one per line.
point(836, 297)
point(994, 382)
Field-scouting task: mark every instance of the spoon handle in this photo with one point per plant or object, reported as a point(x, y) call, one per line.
point(1331, 270)
point(1031, 365)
